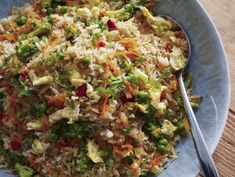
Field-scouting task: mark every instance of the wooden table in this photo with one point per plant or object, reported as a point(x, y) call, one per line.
point(222, 13)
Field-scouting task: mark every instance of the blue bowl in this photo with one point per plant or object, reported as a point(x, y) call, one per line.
point(211, 78)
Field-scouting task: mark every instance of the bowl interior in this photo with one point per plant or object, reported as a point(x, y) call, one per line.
point(211, 79)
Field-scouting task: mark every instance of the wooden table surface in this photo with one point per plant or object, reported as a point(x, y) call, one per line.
point(222, 13)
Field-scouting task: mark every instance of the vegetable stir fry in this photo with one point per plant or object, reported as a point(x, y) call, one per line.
point(89, 88)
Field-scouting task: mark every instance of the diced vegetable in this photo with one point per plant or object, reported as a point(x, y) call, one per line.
point(86, 61)
point(21, 20)
point(83, 162)
point(37, 146)
point(24, 171)
point(93, 152)
point(142, 95)
point(168, 128)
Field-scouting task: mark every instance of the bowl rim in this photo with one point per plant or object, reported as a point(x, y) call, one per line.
point(227, 72)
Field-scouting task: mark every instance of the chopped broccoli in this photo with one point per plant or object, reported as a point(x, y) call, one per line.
point(24, 171)
point(83, 162)
point(124, 13)
point(25, 51)
point(44, 28)
point(12, 158)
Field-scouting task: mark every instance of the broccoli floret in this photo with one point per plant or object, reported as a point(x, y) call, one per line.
point(83, 163)
point(25, 51)
point(124, 13)
point(24, 171)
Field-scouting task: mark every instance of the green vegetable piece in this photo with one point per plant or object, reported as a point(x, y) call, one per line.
point(166, 72)
point(163, 142)
point(61, 55)
point(24, 171)
point(40, 30)
point(161, 148)
point(103, 91)
point(142, 95)
point(25, 51)
point(63, 9)
point(86, 61)
point(72, 131)
point(52, 138)
point(194, 105)
point(38, 109)
point(144, 173)
point(21, 20)
point(50, 10)
point(12, 158)
point(83, 163)
point(149, 113)
point(180, 126)
point(130, 158)
point(96, 36)
point(42, 108)
point(139, 60)
point(188, 80)
point(124, 13)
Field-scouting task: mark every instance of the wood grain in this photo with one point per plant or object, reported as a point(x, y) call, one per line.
point(222, 13)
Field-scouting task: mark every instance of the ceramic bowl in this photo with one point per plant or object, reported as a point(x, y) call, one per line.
point(209, 66)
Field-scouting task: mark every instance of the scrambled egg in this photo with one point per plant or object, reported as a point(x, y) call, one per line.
point(93, 152)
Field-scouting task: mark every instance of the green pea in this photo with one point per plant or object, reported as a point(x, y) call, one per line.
point(42, 108)
point(142, 95)
point(180, 126)
point(63, 9)
point(86, 61)
point(21, 20)
point(163, 142)
point(162, 148)
point(52, 137)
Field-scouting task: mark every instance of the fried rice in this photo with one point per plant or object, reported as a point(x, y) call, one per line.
point(89, 88)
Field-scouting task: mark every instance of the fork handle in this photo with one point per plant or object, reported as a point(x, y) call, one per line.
point(204, 156)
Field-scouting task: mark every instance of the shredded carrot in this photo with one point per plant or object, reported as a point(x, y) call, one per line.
point(186, 125)
point(104, 105)
point(106, 67)
point(57, 101)
point(157, 160)
point(132, 54)
point(129, 88)
point(116, 70)
point(32, 161)
point(7, 37)
point(156, 131)
point(128, 43)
